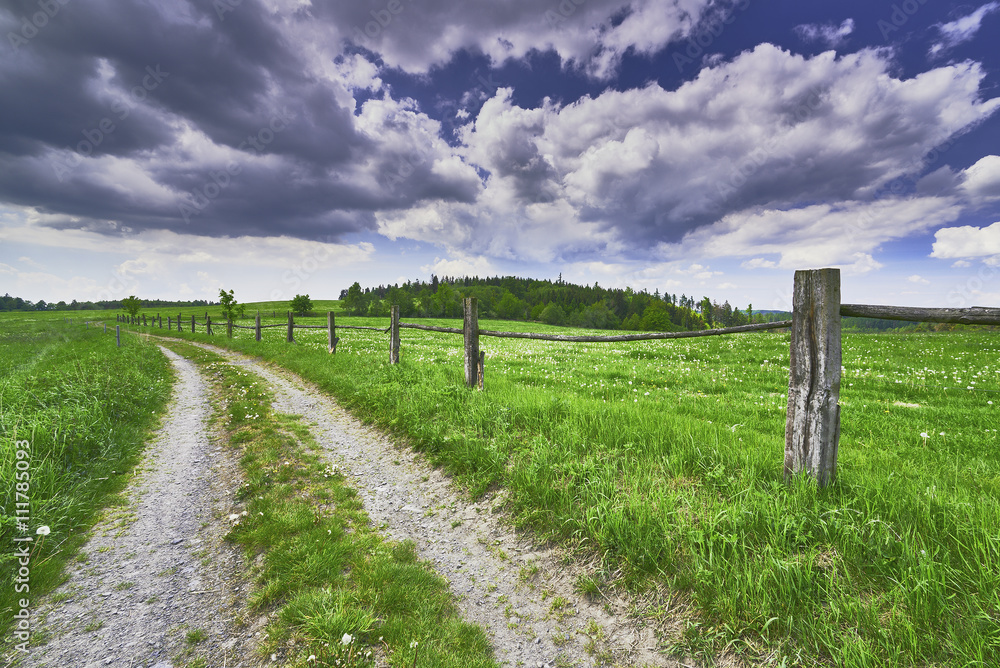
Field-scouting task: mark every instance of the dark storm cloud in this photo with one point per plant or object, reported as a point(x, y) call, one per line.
point(227, 129)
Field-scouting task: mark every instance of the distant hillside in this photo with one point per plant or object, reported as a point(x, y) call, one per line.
point(554, 302)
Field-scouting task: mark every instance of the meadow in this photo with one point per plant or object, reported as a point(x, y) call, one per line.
point(663, 460)
point(86, 409)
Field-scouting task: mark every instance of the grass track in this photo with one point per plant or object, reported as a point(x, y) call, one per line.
point(324, 569)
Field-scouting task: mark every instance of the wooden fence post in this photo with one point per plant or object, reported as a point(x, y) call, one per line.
point(208, 322)
point(170, 323)
point(229, 328)
point(143, 319)
point(394, 334)
point(812, 427)
point(257, 325)
point(159, 320)
point(331, 332)
point(118, 335)
point(178, 322)
point(192, 323)
point(470, 330)
point(291, 326)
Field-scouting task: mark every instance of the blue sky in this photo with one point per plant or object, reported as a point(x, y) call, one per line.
point(704, 147)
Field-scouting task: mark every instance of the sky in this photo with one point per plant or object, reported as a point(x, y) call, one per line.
point(172, 148)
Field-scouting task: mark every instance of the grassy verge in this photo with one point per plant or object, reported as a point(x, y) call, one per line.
point(343, 595)
point(664, 458)
point(83, 409)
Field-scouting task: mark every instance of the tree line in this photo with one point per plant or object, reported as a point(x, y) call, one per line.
point(8, 303)
point(553, 302)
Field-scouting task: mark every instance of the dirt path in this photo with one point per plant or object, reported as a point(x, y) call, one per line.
point(155, 569)
point(522, 594)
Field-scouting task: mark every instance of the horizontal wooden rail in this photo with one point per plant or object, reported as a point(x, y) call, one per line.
point(976, 315)
point(607, 339)
point(431, 328)
point(648, 336)
point(384, 330)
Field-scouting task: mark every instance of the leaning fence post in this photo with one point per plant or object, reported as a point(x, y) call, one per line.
point(812, 427)
point(118, 335)
point(470, 330)
point(291, 326)
point(331, 332)
point(257, 325)
point(394, 334)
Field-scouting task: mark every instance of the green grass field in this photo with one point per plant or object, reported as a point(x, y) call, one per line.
point(664, 459)
point(85, 408)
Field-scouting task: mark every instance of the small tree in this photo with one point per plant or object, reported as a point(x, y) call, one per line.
point(230, 309)
point(301, 305)
point(132, 305)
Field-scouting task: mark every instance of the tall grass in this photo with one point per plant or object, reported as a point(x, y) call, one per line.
point(86, 407)
point(665, 458)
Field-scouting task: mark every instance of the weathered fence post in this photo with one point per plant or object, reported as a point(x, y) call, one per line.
point(291, 326)
point(159, 320)
point(812, 427)
point(192, 323)
point(394, 334)
point(470, 330)
point(331, 332)
point(229, 328)
point(143, 319)
point(118, 335)
point(208, 323)
point(257, 325)
point(178, 322)
point(170, 323)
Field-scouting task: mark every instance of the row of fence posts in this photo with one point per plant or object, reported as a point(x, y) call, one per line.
point(812, 426)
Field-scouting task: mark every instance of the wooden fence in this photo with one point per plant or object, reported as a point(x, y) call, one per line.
point(812, 426)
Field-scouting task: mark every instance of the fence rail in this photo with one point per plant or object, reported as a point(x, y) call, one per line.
point(812, 425)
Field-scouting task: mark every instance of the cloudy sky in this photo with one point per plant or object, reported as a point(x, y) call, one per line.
point(167, 148)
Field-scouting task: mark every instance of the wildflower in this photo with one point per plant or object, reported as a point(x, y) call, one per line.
point(312, 657)
point(347, 639)
point(413, 644)
point(43, 530)
point(924, 434)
